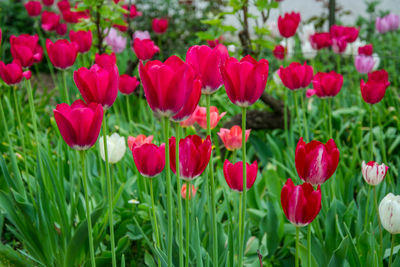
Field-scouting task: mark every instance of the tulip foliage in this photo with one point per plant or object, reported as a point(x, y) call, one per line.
point(144, 133)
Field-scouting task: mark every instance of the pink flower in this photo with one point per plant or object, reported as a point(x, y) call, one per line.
point(139, 140)
point(232, 138)
point(288, 24)
point(12, 73)
point(233, 174)
point(34, 8)
point(141, 35)
point(296, 76)
point(50, 20)
point(115, 41)
point(201, 116)
point(387, 23)
point(327, 84)
point(26, 49)
point(364, 64)
point(83, 39)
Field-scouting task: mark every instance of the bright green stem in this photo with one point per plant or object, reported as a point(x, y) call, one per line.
point(391, 252)
point(153, 209)
point(128, 109)
point(303, 106)
point(64, 74)
point(371, 146)
point(243, 196)
point(367, 208)
point(179, 199)
point(285, 116)
point(309, 244)
point(212, 188)
point(297, 246)
point(330, 117)
point(110, 193)
point(379, 222)
point(188, 190)
point(296, 106)
point(169, 192)
point(21, 129)
point(89, 219)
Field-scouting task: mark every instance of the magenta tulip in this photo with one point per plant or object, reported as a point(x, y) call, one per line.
point(62, 53)
point(288, 24)
point(327, 84)
point(321, 40)
point(374, 89)
point(191, 104)
point(159, 25)
point(12, 73)
point(145, 49)
point(296, 76)
point(149, 159)
point(26, 49)
point(34, 8)
point(127, 84)
point(83, 39)
point(233, 174)
point(50, 20)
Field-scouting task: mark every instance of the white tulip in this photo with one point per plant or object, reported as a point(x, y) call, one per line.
point(305, 32)
point(389, 213)
point(377, 61)
point(308, 51)
point(277, 78)
point(373, 173)
point(289, 47)
point(231, 48)
point(116, 147)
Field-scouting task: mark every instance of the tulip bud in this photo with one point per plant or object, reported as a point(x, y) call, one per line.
point(389, 213)
point(374, 89)
point(145, 49)
point(159, 25)
point(288, 24)
point(296, 76)
point(33, 8)
point(62, 53)
point(373, 173)
point(127, 84)
point(26, 49)
point(83, 39)
point(279, 52)
point(116, 147)
point(327, 84)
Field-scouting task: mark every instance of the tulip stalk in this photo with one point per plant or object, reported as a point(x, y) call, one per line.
point(178, 188)
point(391, 251)
point(212, 188)
point(169, 192)
point(188, 189)
point(379, 221)
point(330, 117)
point(297, 246)
point(309, 245)
point(371, 146)
point(64, 74)
point(89, 219)
point(243, 195)
point(304, 117)
point(109, 189)
point(153, 209)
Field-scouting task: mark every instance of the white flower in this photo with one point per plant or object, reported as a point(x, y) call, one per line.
point(133, 201)
point(377, 61)
point(272, 26)
point(116, 41)
point(231, 48)
point(290, 46)
point(308, 51)
point(116, 147)
point(141, 35)
point(373, 173)
point(277, 78)
point(352, 48)
point(305, 32)
point(389, 213)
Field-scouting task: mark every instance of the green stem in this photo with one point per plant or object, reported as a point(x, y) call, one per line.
point(304, 116)
point(154, 217)
point(21, 128)
point(178, 189)
point(285, 116)
point(128, 109)
point(296, 106)
point(297, 246)
point(367, 208)
point(379, 222)
point(188, 190)
point(243, 210)
point(371, 146)
point(309, 244)
point(64, 74)
point(391, 251)
point(330, 117)
point(212, 188)
point(110, 193)
point(88, 217)
point(169, 192)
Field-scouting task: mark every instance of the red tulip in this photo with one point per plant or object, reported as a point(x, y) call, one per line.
point(349, 34)
point(97, 84)
point(50, 20)
point(139, 140)
point(191, 104)
point(233, 174)
point(48, 2)
point(145, 49)
point(327, 84)
point(288, 24)
point(296, 76)
point(34, 8)
point(214, 43)
point(159, 25)
point(200, 116)
point(232, 138)
point(26, 49)
point(63, 5)
point(194, 155)
point(12, 73)
point(316, 162)
point(79, 124)
point(62, 53)
point(279, 52)
point(301, 204)
point(192, 191)
point(321, 40)
point(205, 62)
point(168, 97)
point(83, 39)
point(244, 80)
point(374, 89)
point(106, 60)
point(366, 50)
point(133, 13)
point(149, 159)
point(61, 29)
point(127, 84)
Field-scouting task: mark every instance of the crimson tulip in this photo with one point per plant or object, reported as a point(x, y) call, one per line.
point(366, 50)
point(321, 40)
point(127, 84)
point(97, 84)
point(288, 24)
point(50, 20)
point(61, 29)
point(145, 49)
point(159, 25)
point(79, 124)
point(12, 73)
point(106, 60)
point(63, 5)
point(83, 39)
point(191, 104)
point(200, 115)
point(215, 42)
point(139, 140)
point(244, 80)
point(233, 174)
point(133, 12)
point(327, 84)
point(205, 62)
point(34, 8)
point(62, 53)
point(194, 155)
point(26, 49)
point(168, 97)
point(279, 52)
point(316, 162)
point(232, 138)
point(48, 2)
point(296, 76)
point(149, 159)
point(349, 34)
point(301, 204)
point(374, 89)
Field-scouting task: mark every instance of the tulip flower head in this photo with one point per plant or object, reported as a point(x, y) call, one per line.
point(389, 213)
point(159, 25)
point(233, 174)
point(194, 155)
point(244, 80)
point(79, 124)
point(279, 52)
point(232, 138)
point(374, 89)
point(321, 40)
point(12, 73)
point(149, 159)
point(345, 33)
point(364, 64)
point(145, 49)
point(133, 12)
point(50, 20)
point(288, 24)
point(373, 173)
point(62, 53)
point(127, 84)
point(141, 35)
point(365, 50)
point(26, 49)
point(200, 116)
point(327, 84)
point(301, 203)
point(116, 41)
point(139, 140)
point(316, 162)
point(83, 39)
point(390, 22)
point(192, 192)
point(116, 148)
point(34, 8)
point(296, 76)
point(48, 2)
point(191, 104)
